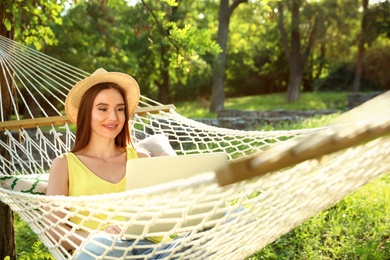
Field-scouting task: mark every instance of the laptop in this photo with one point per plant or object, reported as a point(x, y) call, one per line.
point(145, 172)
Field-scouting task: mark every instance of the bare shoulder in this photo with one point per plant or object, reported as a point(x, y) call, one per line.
point(60, 161)
point(58, 177)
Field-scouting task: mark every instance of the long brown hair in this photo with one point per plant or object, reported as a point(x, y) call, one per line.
point(84, 115)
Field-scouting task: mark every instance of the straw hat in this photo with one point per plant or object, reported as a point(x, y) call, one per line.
point(127, 82)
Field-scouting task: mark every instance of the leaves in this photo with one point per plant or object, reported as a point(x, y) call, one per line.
point(171, 2)
point(149, 38)
point(33, 20)
point(7, 24)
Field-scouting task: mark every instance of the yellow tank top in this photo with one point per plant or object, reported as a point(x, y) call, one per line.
point(83, 182)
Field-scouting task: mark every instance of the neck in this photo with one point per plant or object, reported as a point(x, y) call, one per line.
point(101, 149)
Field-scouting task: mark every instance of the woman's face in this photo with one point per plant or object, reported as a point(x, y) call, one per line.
point(108, 114)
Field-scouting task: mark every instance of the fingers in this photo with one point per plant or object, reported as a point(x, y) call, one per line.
point(114, 229)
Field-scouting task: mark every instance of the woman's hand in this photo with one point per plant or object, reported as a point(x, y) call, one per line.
point(155, 145)
point(114, 229)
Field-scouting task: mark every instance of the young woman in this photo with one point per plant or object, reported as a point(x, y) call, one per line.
point(100, 106)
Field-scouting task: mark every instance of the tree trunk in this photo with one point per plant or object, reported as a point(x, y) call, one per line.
point(361, 50)
point(7, 234)
point(295, 79)
point(219, 63)
point(7, 238)
point(218, 78)
point(358, 68)
point(163, 83)
point(163, 87)
point(294, 85)
point(296, 57)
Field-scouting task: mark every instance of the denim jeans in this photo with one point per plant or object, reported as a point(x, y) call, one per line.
point(100, 242)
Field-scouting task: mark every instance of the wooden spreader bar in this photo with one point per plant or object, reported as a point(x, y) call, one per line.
point(362, 124)
point(61, 120)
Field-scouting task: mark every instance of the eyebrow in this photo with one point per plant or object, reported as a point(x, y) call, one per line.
point(105, 104)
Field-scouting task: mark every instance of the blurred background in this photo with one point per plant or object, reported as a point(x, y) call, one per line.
point(209, 50)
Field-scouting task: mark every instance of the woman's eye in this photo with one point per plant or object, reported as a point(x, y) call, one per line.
point(102, 109)
point(121, 109)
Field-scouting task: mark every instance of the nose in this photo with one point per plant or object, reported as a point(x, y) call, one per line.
point(112, 115)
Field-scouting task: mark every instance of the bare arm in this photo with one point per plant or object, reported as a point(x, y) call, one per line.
point(58, 178)
point(59, 185)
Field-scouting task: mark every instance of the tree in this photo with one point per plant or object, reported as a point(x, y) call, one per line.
point(256, 63)
point(19, 19)
point(176, 44)
point(375, 22)
point(219, 63)
point(157, 42)
point(361, 49)
point(297, 55)
point(7, 235)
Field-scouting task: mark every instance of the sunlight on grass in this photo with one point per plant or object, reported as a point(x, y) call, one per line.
point(308, 101)
point(354, 228)
point(313, 122)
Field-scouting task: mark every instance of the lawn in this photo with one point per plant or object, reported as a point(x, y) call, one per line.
point(357, 227)
point(308, 101)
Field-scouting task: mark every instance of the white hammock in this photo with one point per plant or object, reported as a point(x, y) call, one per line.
point(265, 195)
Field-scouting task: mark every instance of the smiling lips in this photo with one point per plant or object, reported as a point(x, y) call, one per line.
point(110, 126)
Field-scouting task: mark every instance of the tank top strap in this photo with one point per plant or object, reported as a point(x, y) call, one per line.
point(131, 153)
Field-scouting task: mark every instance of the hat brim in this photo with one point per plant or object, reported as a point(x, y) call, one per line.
point(128, 83)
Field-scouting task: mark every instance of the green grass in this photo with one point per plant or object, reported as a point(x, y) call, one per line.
point(313, 122)
point(28, 246)
point(357, 227)
point(308, 101)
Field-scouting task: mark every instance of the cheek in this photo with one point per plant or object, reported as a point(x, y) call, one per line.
point(95, 118)
point(122, 116)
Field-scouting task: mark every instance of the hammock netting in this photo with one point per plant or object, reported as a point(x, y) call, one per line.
point(256, 210)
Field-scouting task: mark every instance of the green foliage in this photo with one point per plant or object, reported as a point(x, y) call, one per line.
point(177, 47)
point(378, 56)
point(377, 21)
point(340, 78)
point(171, 2)
point(194, 42)
point(7, 24)
point(39, 252)
point(149, 41)
point(341, 75)
point(32, 20)
point(256, 63)
point(169, 46)
point(28, 245)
